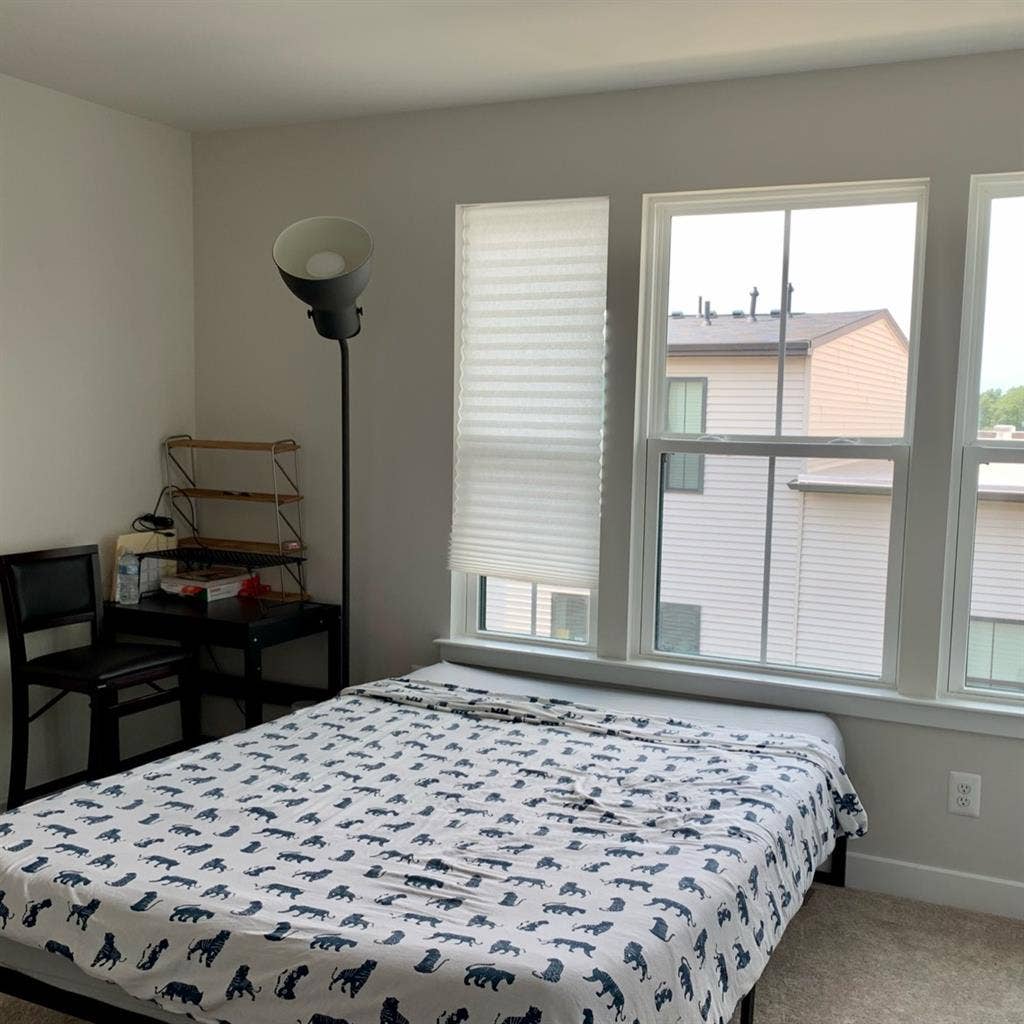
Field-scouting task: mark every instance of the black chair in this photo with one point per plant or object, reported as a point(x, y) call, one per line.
point(44, 589)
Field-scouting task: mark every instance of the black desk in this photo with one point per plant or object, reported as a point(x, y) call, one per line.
point(244, 624)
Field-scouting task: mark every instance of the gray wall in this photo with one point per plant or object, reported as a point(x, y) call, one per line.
point(262, 371)
point(96, 344)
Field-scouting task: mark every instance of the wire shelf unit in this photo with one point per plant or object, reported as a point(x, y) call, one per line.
point(286, 553)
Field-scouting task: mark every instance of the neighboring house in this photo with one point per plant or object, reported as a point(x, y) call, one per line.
point(845, 375)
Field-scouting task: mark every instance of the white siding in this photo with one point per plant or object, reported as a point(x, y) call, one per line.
point(858, 384)
point(843, 570)
point(712, 551)
point(997, 590)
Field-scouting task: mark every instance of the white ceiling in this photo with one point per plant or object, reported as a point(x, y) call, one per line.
point(206, 64)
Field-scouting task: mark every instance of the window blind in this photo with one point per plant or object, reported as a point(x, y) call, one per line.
point(529, 422)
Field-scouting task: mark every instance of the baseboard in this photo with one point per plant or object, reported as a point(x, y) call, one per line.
point(936, 885)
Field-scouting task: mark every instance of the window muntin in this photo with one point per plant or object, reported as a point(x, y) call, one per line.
point(988, 578)
point(786, 384)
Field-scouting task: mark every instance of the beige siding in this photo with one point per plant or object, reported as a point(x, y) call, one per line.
point(858, 384)
point(843, 570)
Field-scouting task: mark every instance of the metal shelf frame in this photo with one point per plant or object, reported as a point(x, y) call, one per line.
point(185, 495)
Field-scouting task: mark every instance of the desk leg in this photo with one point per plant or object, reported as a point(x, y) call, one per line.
point(188, 681)
point(337, 677)
point(253, 686)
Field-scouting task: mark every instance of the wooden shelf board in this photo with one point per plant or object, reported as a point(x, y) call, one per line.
point(226, 544)
point(259, 496)
point(234, 446)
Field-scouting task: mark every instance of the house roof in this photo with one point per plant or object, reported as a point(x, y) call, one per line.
point(739, 335)
point(997, 481)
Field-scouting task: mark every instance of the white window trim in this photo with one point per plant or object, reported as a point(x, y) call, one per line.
point(968, 451)
point(651, 442)
point(828, 696)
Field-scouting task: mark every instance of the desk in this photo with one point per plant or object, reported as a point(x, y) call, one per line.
point(244, 624)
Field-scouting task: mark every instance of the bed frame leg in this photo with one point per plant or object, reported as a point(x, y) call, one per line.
point(836, 874)
point(747, 1007)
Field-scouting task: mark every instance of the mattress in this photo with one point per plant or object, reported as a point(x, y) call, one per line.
point(738, 716)
point(540, 860)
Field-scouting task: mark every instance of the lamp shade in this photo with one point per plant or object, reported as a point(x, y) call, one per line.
point(325, 261)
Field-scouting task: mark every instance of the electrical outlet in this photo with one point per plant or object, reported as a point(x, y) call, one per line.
point(965, 794)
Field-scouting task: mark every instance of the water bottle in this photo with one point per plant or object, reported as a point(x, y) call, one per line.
point(128, 578)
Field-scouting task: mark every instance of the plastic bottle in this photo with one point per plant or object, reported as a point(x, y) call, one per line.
point(128, 578)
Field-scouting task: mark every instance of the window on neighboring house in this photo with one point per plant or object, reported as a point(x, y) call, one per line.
point(686, 401)
point(995, 651)
point(987, 639)
point(569, 615)
point(773, 520)
point(531, 281)
point(678, 628)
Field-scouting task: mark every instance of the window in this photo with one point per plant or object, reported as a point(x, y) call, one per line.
point(685, 403)
point(780, 334)
point(678, 628)
point(995, 651)
point(531, 295)
point(987, 640)
point(517, 608)
point(569, 617)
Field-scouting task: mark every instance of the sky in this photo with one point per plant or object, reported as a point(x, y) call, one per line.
point(843, 259)
point(1002, 359)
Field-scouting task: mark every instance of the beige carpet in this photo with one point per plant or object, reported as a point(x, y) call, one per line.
point(857, 958)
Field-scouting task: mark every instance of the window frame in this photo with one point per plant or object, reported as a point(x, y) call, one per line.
point(652, 441)
point(970, 451)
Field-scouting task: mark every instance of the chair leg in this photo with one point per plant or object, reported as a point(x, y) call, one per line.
point(19, 745)
point(104, 730)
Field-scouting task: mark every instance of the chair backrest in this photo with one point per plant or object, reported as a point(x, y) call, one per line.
point(44, 589)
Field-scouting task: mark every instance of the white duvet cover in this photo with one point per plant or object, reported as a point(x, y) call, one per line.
point(425, 853)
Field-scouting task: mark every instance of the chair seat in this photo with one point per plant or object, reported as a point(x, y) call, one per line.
point(105, 662)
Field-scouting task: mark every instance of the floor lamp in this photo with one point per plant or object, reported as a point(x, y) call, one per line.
point(325, 262)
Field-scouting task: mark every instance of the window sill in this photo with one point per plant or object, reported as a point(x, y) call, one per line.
point(832, 698)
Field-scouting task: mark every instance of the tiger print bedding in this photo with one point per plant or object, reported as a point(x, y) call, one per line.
point(421, 853)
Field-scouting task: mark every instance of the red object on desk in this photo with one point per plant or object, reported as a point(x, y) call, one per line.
point(252, 587)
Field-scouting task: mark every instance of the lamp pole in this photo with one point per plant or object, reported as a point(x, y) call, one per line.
point(345, 534)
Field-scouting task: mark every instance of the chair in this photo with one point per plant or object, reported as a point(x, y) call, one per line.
point(44, 589)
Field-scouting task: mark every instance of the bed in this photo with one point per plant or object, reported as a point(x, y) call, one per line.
point(453, 847)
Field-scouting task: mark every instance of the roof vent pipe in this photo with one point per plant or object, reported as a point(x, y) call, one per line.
point(753, 303)
point(707, 312)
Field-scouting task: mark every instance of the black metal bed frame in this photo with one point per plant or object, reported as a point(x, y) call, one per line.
point(22, 986)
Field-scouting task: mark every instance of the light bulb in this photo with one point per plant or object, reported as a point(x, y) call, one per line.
point(325, 264)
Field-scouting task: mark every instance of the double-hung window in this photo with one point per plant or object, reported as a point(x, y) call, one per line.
point(987, 646)
point(531, 284)
point(778, 348)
